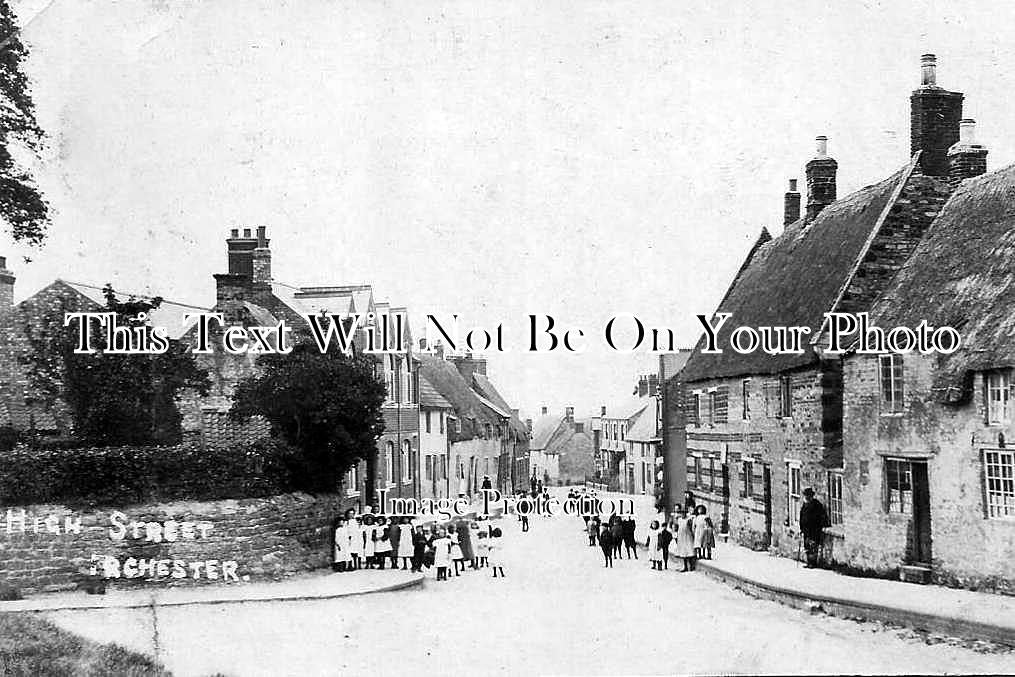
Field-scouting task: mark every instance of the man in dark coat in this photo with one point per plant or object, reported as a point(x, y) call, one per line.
point(606, 543)
point(665, 537)
point(630, 545)
point(813, 520)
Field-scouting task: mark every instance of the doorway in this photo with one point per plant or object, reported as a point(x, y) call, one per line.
point(920, 544)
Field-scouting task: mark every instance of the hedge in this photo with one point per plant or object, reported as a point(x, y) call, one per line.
point(115, 476)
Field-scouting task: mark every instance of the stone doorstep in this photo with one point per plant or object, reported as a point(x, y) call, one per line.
point(855, 609)
point(914, 573)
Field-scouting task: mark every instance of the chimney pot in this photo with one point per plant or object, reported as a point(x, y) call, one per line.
point(791, 204)
point(246, 232)
point(966, 158)
point(543, 411)
point(821, 147)
point(235, 232)
point(928, 69)
point(967, 132)
point(262, 238)
point(792, 185)
point(602, 411)
point(821, 172)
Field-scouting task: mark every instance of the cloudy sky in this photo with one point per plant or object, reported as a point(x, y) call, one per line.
point(491, 159)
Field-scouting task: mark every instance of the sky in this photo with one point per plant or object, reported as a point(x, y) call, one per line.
point(575, 159)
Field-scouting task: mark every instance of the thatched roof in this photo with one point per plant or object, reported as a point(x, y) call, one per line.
point(794, 279)
point(962, 274)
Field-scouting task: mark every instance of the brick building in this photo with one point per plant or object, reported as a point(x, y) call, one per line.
point(753, 430)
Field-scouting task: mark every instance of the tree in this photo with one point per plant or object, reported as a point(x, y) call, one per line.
point(326, 405)
point(21, 204)
point(113, 399)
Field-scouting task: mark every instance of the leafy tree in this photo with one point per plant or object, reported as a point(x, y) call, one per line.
point(21, 203)
point(113, 399)
point(326, 405)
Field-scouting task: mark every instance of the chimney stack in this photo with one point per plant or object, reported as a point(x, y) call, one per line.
point(791, 204)
point(543, 411)
point(260, 260)
point(569, 414)
point(602, 411)
point(934, 120)
point(966, 158)
point(820, 179)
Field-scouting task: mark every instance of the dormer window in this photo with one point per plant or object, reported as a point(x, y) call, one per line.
point(998, 396)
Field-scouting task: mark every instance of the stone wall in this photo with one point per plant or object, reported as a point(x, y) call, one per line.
point(968, 548)
point(267, 538)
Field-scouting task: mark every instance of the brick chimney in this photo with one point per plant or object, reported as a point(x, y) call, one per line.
point(569, 414)
point(260, 260)
point(966, 158)
point(820, 179)
point(6, 287)
point(240, 251)
point(543, 411)
point(791, 204)
point(642, 386)
point(934, 120)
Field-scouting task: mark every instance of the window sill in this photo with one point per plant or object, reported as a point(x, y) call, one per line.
point(352, 494)
point(892, 414)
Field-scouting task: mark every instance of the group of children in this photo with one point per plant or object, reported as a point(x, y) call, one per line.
point(368, 541)
point(691, 533)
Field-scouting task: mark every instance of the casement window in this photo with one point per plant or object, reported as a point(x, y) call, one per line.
point(792, 491)
point(745, 394)
point(389, 463)
point(405, 461)
point(999, 477)
point(835, 497)
point(440, 421)
point(756, 482)
point(998, 396)
point(785, 397)
point(898, 486)
point(622, 431)
point(428, 468)
point(692, 471)
point(773, 399)
point(890, 369)
point(707, 481)
point(694, 415)
point(444, 468)
point(428, 421)
point(703, 408)
point(352, 481)
point(746, 479)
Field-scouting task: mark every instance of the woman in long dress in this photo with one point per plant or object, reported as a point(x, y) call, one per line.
point(405, 544)
point(655, 553)
point(367, 531)
point(684, 540)
point(382, 546)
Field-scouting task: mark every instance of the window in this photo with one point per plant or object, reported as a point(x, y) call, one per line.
point(693, 415)
point(746, 473)
point(444, 467)
point(405, 461)
point(352, 481)
point(999, 465)
point(707, 480)
point(692, 471)
point(428, 421)
point(772, 400)
point(785, 397)
point(835, 498)
point(898, 486)
point(719, 405)
point(756, 486)
point(702, 404)
point(711, 407)
point(389, 460)
point(792, 492)
point(998, 397)
point(622, 432)
point(428, 465)
point(440, 421)
point(745, 393)
point(891, 383)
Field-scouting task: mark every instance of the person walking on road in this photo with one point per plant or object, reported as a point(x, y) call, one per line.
point(616, 535)
point(813, 520)
point(442, 554)
point(606, 543)
point(665, 537)
point(593, 528)
point(630, 545)
point(406, 547)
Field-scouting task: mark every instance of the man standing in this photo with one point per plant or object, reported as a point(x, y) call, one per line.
point(813, 520)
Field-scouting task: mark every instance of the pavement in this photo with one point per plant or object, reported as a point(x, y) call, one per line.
point(957, 613)
point(304, 587)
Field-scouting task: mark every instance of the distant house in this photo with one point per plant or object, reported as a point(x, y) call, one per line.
point(436, 415)
point(560, 451)
point(485, 435)
point(611, 429)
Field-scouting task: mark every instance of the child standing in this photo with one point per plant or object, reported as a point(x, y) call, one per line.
point(354, 532)
point(382, 546)
point(442, 554)
point(406, 547)
point(368, 541)
point(341, 550)
point(704, 533)
point(456, 549)
point(493, 551)
point(483, 548)
point(655, 552)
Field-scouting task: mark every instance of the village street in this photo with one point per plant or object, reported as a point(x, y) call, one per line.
point(559, 611)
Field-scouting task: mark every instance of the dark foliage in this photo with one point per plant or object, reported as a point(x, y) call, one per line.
point(326, 405)
point(21, 204)
point(118, 476)
point(112, 398)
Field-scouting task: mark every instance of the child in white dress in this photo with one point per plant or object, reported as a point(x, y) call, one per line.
point(483, 548)
point(456, 550)
point(442, 554)
point(368, 541)
point(342, 557)
point(405, 548)
point(354, 534)
point(655, 551)
point(382, 546)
